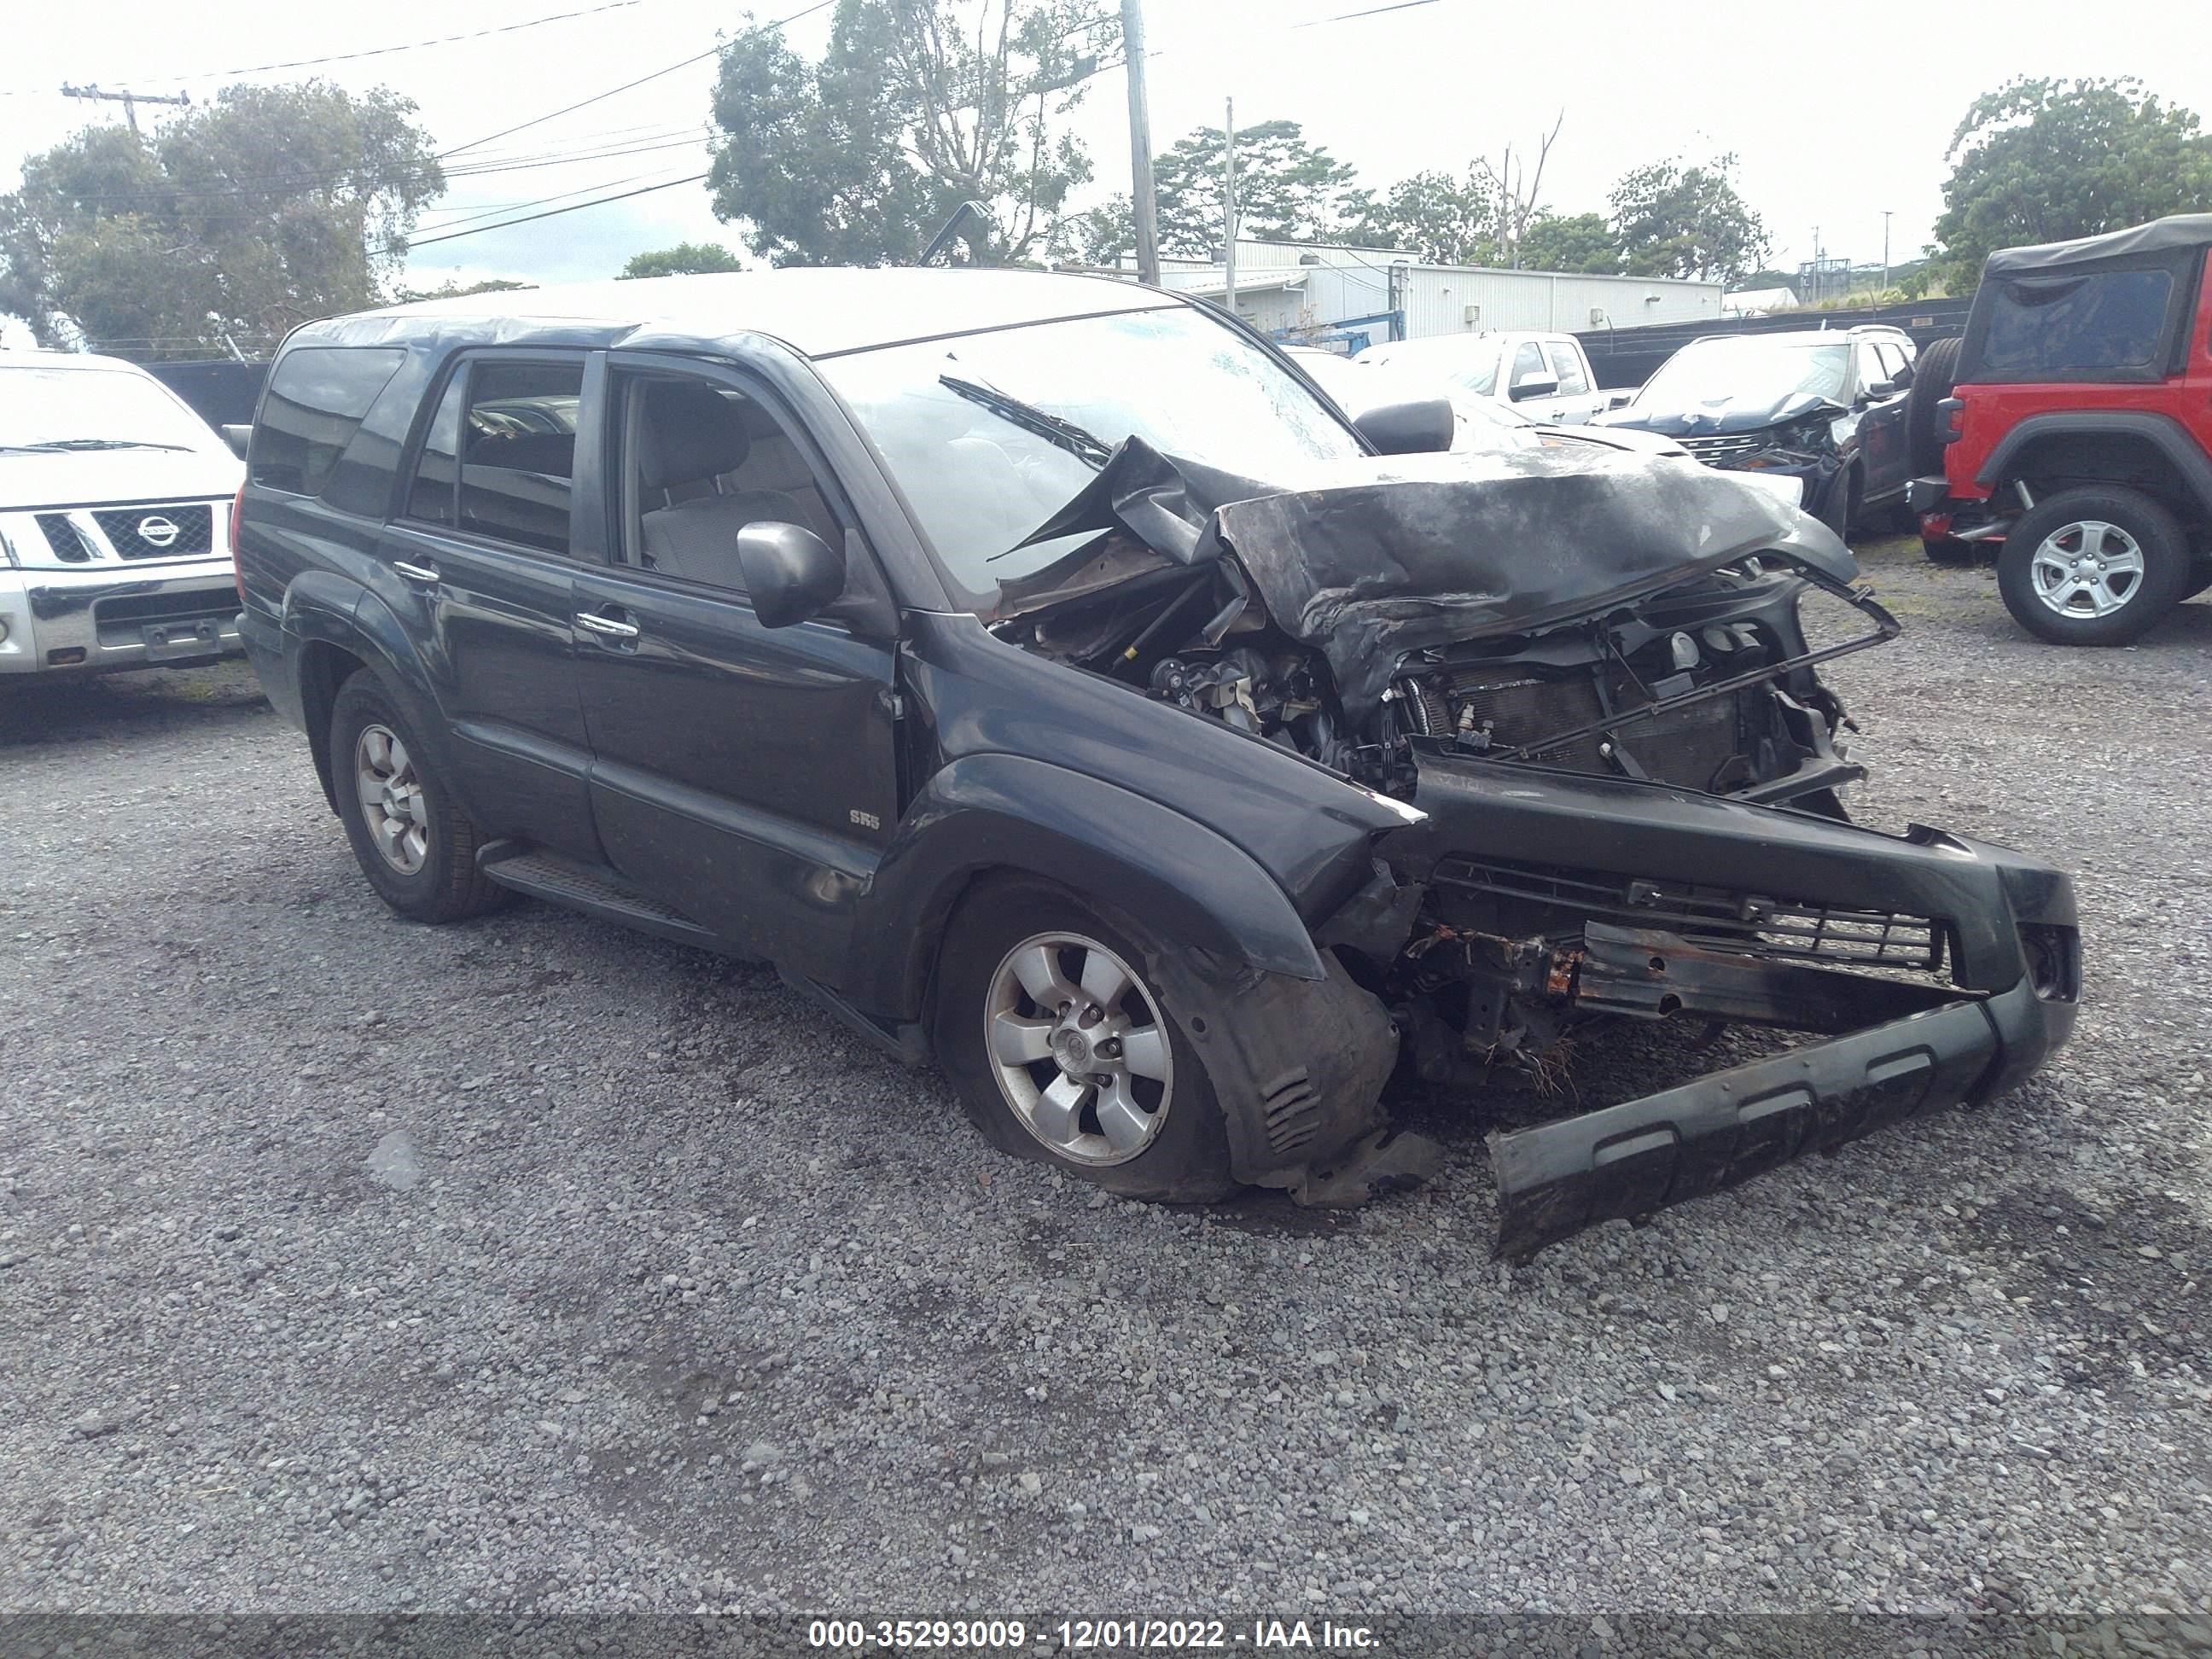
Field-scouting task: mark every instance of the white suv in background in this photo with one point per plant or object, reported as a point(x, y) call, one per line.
point(1545, 376)
point(115, 520)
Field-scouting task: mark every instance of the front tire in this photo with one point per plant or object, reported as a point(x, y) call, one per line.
point(1051, 1023)
point(2093, 567)
point(412, 841)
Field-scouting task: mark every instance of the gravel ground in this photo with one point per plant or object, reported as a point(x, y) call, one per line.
point(531, 1265)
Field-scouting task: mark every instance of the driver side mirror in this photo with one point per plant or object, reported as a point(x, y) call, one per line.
point(1877, 389)
point(237, 437)
point(1425, 427)
point(1535, 385)
point(790, 571)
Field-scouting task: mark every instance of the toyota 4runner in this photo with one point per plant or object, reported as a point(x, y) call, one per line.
point(1046, 677)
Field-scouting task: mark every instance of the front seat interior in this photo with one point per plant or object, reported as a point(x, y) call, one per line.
point(691, 435)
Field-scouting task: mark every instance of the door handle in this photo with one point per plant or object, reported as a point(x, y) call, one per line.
point(415, 573)
point(605, 627)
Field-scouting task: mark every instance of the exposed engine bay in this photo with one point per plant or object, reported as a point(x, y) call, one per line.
point(1631, 628)
point(1704, 682)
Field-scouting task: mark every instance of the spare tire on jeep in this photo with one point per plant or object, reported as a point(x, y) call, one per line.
point(1933, 376)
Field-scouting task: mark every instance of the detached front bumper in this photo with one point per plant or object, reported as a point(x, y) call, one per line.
point(1691, 906)
point(104, 617)
point(1628, 1161)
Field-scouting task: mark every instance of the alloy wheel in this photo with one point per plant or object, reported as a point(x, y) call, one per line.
point(392, 801)
point(1077, 1046)
point(2086, 569)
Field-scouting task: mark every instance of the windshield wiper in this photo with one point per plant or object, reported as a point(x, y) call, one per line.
point(66, 444)
point(1061, 434)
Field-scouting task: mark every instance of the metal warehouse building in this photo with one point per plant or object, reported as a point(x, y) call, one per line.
point(1313, 290)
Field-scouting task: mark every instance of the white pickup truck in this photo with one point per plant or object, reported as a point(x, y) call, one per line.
point(1545, 376)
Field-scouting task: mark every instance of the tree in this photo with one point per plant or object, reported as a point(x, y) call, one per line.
point(1447, 221)
point(452, 289)
point(2046, 160)
point(1515, 193)
point(1673, 220)
point(1581, 242)
point(916, 106)
point(235, 221)
point(1287, 190)
point(685, 259)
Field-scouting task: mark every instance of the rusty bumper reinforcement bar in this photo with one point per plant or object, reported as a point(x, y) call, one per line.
point(1640, 1156)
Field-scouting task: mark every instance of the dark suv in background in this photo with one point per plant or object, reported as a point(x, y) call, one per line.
point(1826, 407)
point(1045, 676)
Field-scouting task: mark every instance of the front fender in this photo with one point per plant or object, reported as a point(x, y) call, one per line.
point(987, 812)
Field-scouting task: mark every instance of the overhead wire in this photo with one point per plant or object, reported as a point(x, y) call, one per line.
point(167, 79)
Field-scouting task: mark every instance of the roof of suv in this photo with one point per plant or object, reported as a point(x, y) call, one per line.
point(2179, 230)
point(821, 310)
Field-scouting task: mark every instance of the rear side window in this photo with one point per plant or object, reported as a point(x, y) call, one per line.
point(1567, 364)
point(430, 494)
point(2066, 325)
point(315, 403)
point(518, 451)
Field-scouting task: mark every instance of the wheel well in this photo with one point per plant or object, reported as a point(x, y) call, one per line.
point(324, 667)
point(2068, 461)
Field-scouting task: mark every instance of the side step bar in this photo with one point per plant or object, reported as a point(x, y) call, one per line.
point(593, 889)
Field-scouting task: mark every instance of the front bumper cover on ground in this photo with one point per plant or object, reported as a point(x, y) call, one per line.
point(1629, 1161)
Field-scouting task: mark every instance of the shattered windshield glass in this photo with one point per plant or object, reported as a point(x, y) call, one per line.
point(990, 435)
point(1750, 371)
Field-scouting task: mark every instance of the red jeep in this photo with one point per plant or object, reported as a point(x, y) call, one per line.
point(2073, 422)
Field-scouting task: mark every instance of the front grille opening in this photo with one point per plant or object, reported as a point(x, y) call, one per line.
point(158, 532)
point(1757, 925)
point(135, 608)
point(66, 541)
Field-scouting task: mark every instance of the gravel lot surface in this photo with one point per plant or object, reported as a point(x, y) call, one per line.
point(531, 1265)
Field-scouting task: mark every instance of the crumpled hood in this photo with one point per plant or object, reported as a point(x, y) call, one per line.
point(98, 477)
point(1714, 420)
point(1368, 559)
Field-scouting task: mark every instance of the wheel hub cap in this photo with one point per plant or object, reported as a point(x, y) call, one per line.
point(1076, 1045)
point(2086, 569)
point(392, 803)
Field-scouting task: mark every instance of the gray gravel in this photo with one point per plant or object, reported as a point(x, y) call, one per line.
point(531, 1265)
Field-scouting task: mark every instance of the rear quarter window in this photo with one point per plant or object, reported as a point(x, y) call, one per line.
point(2067, 324)
point(316, 401)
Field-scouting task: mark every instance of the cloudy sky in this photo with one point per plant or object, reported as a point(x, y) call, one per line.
point(1836, 114)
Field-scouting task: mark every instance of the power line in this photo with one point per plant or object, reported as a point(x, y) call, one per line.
point(598, 97)
point(350, 57)
point(644, 190)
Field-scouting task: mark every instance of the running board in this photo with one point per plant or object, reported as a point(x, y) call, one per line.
point(594, 889)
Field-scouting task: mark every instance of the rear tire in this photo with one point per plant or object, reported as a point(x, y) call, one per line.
point(2093, 567)
point(1935, 373)
point(414, 843)
point(1016, 951)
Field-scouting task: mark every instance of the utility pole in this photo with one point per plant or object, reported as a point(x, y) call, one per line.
point(1142, 202)
point(129, 100)
point(1885, 249)
point(1229, 207)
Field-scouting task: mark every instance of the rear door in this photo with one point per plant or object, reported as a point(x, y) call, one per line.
point(744, 774)
point(484, 548)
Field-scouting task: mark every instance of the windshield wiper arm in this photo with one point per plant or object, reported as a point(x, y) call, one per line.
point(1060, 434)
point(93, 443)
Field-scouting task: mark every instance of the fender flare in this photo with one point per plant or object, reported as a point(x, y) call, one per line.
point(2162, 431)
point(323, 608)
point(1000, 811)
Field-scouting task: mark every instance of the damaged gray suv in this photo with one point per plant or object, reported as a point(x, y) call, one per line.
point(1046, 679)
